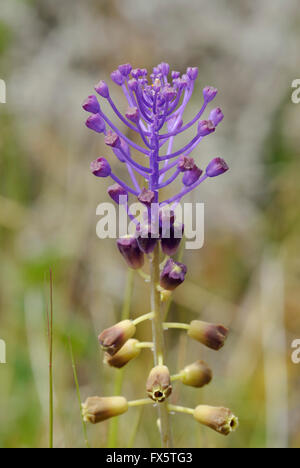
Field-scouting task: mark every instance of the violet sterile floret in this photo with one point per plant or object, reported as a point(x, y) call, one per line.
point(205, 127)
point(216, 167)
point(117, 77)
point(91, 104)
point(156, 105)
point(112, 140)
point(100, 168)
point(117, 193)
point(216, 116)
point(125, 69)
point(96, 123)
point(190, 177)
point(102, 89)
point(209, 93)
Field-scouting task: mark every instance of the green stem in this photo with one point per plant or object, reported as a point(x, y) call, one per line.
point(159, 346)
point(179, 326)
point(118, 385)
point(181, 409)
point(50, 337)
point(143, 402)
point(78, 393)
point(143, 318)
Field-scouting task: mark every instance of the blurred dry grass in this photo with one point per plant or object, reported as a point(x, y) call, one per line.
point(247, 275)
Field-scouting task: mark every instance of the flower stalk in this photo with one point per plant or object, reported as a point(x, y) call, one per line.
point(159, 345)
point(156, 105)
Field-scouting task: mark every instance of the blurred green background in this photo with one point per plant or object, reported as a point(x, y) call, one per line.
point(52, 52)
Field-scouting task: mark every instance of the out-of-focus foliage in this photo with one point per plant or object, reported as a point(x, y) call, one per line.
point(247, 274)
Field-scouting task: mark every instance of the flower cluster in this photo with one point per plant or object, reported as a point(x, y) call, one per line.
point(156, 104)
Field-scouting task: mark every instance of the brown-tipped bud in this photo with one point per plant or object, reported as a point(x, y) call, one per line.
point(159, 385)
point(112, 339)
point(211, 335)
point(97, 409)
point(219, 419)
point(196, 375)
point(128, 352)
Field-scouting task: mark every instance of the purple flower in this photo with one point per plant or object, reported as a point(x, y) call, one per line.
point(191, 177)
point(146, 238)
point(209, 93)
point(205, 127)
point(125, 69)
point(96, 123)
point(216, 167)
point(91, 104)
point(192, 73)
point(216, 116)
point(102, 89)
point(173, 275)
point(146, 197)
point(133, 114)
point(130, 250)
point(164, 68)
point(117, 77)
point(117, 193)
point(112, 139)
point(100, 168)
point(171, 239)
point(185, 163)
point(155, 116)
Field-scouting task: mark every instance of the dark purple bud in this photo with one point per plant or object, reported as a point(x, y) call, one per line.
point(133, 84)
point(144, 72)
point(91, 104)
point(96, 123)
point(112, 339)
point(125, 69)
point(112, 139)
point(146, 238)
point(117, 77)
point(211, 335)
point(116, 192)
point(209, 93)
point(172, 275)
point(175, 74)
point(100, 168)
point(133, 114)
point(185, 163)
point(166, 218)
point(192, 73)
point(164, 68)
point(205, 127)
point(191, 177)
point(216, 116)
point(216, 167)
point(130, 250)
point(102, 89)
point(171, 239)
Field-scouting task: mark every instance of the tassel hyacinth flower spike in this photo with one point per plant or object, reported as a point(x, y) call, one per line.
point(155, 107)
